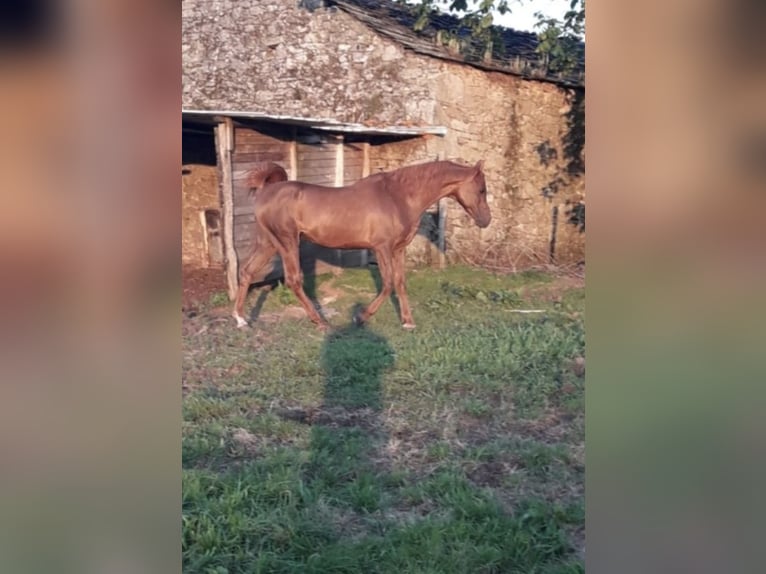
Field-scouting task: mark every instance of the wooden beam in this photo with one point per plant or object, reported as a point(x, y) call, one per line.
point(442, 244)
point(339, 182)
point(554, 229)
point(365, 159)
point(205, 246)
point(293, 152)
point(442, 227)
point(224, 139)
point(365, 255)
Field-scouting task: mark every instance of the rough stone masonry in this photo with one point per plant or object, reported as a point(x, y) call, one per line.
point(275, 56)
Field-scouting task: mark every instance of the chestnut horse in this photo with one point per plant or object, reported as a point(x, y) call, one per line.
point(380, 212)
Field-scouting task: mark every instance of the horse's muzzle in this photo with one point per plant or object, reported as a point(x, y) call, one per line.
point(483, 219)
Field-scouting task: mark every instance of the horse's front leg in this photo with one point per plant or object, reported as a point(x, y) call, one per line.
point(383, 257)
point(401, 291)
point(294, 280)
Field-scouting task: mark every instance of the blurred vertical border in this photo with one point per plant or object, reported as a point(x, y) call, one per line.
point(676, 125)
point(90, 291)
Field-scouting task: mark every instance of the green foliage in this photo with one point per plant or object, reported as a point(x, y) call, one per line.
point(504, 297)
point(262, 519)
point(559, 40)
point(477, 15)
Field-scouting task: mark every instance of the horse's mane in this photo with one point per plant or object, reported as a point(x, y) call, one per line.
point(409, 177)
point(404, 180)
point(265, 173)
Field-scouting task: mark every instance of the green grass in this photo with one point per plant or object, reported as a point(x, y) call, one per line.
point(218, 299)
point(453, 448)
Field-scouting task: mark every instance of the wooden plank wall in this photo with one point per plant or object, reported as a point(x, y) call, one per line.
point(353, 162)
point(353, 165)
point(316, 163)
point(250, 148)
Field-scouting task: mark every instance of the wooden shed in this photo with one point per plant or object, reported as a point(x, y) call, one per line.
point(313, 151)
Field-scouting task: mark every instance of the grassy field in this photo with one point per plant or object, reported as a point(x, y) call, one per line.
point(456, 448)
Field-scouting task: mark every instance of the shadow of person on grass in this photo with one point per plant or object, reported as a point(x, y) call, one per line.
point(347, 437)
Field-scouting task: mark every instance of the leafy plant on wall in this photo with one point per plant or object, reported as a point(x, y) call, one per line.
point(560, 40)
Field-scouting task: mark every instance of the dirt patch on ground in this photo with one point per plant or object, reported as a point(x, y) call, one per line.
point(554, 290)
point(491, 473)
point(327, 293)
point(293, 312)
point(199, 284)
point(332, 417)
point(290, 312)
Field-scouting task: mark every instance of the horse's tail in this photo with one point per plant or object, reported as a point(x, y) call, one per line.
point(265, 173)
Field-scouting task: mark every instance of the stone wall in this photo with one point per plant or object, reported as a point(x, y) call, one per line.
point(519, 128)
point(274, 56)
point(199, 190)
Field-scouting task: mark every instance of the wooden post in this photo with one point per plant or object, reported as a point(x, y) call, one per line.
point(205, 245)
point(293, 152)
point(224, 139)
point(365, 159)
point(554, 229)
point(442, 225)
point(442, 244)
point(339, 182)
point(365, 255)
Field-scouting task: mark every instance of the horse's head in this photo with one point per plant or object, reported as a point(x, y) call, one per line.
point(471, 193)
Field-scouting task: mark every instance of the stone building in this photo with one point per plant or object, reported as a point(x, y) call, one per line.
point(337, 89)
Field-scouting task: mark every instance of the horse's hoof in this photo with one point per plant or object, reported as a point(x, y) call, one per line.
point(358, 321)
point(408, 326)
point(240, 322)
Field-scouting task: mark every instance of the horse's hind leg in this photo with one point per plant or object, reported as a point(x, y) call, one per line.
point(383, 257)
point(262, 253)
point(294, 280)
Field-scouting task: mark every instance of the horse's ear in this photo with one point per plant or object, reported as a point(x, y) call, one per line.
point(479, 165)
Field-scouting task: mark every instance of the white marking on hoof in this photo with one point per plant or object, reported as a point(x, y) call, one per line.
point(240, 321)
point(408, 326)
